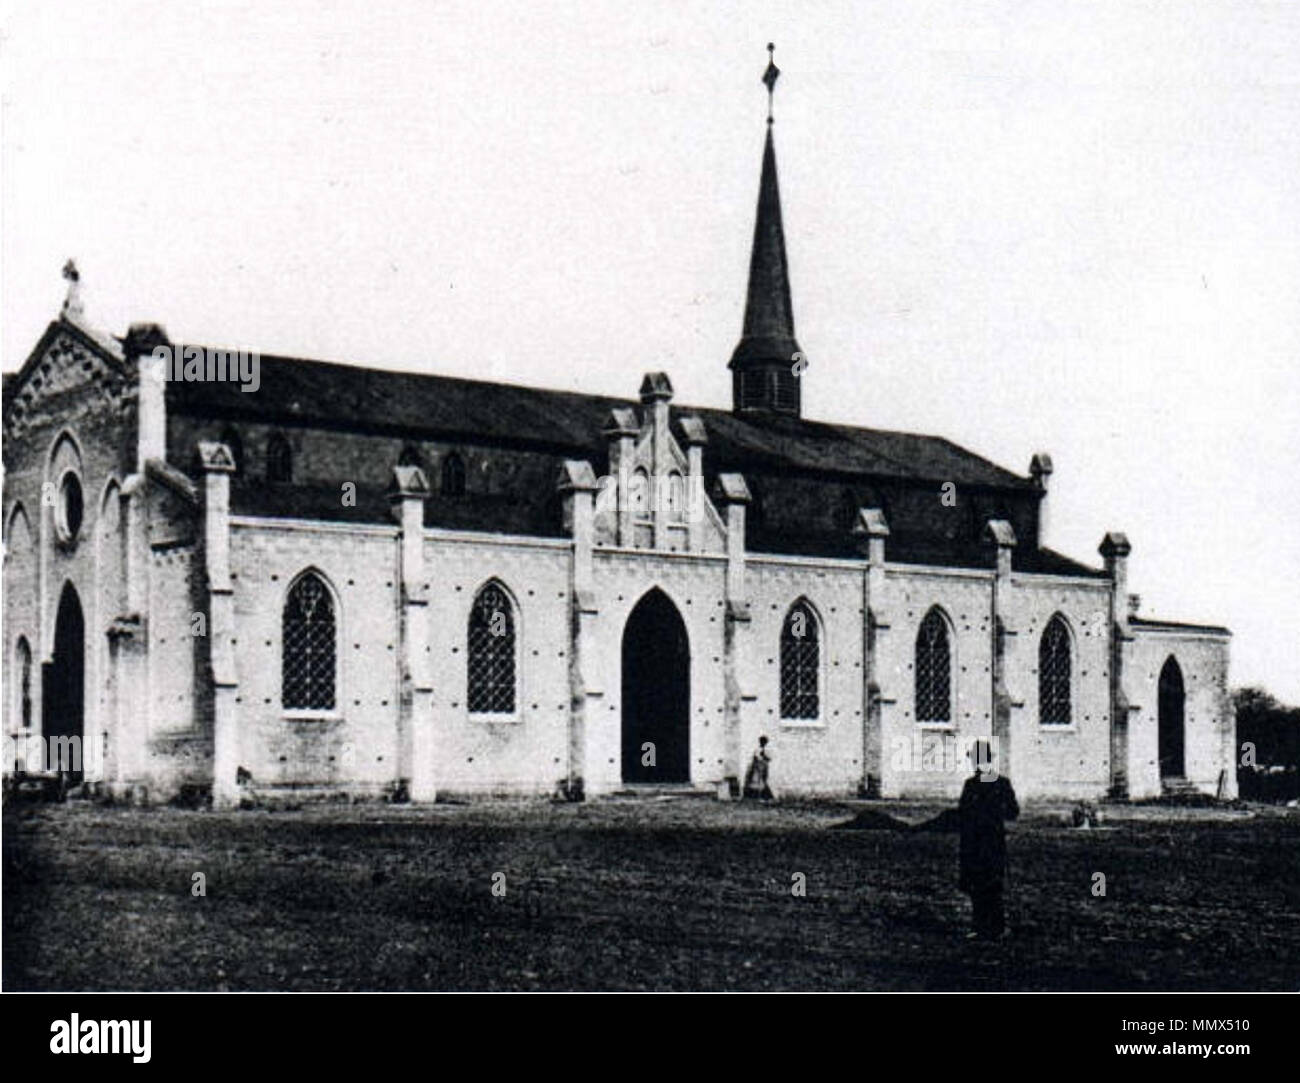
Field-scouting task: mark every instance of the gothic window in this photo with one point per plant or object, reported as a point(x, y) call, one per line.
point(639, 494)
point(676, 498)
point(933, 670)
point(754, 513)
point(308, 646)
point(453, 475)
point(847, 514)
point(800, 663)
point(231, 439)
point(279, 459)
point(24, 683)
point(491, 662)
point(411, 456)
point(70, 508)
point(1054, 674)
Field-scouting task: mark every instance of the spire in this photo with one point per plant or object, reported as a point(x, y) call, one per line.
point(762, 361)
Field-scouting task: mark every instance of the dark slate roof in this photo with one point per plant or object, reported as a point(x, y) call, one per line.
point(473, 511)
point(567, 424)
point(1177, 626)
point(911, 547)
point(348, 397)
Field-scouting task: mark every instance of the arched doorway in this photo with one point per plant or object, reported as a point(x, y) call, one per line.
point(656, 693)
point(63, 714)
point(1171, 720)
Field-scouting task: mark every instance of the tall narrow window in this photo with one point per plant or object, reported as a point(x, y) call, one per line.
point(279, 459)
point(785, 390)
point(753, 389)
point(676, 497)
point(1054, 674)
point(231, 439)
point(639, 494)
point(800, 664)
point(933, 670)
point(491, 662)
point(24, 684)
point(308, 646)
point(453, 475)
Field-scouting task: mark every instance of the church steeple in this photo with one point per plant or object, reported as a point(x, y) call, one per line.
point(765, 369)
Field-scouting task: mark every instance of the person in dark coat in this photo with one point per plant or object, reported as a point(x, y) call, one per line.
point(987, 800)
point(756, 786)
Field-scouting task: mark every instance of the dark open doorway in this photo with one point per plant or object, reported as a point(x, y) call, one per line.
point(63, 712)
point(1170, 722)
point(656, 693)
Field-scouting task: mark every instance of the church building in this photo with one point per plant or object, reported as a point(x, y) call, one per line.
point(353, 583)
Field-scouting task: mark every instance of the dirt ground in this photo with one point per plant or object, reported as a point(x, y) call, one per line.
point(645, 894)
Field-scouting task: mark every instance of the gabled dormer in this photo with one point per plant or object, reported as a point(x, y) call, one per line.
point(653, 496)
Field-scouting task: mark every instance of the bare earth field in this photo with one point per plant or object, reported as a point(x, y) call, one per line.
point(643, 894)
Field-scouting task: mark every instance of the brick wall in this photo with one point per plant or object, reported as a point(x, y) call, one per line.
point(355, 743)
point(1061, 761)
point(74, 409)
point(696, 585)
point(1209, 720)
point(825, 755)
point(528, 753)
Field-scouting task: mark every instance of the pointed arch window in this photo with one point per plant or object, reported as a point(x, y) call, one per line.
point(639, 494)
point(676, 497)
point(491, 661)
point(231, 439)
point(410, 456)
point(279, 459)
point(933, 670)
point(70, 509)
point(453, 475)
point(309, 646)
point(24, 659)
point(801, 664)
point(1054, 674)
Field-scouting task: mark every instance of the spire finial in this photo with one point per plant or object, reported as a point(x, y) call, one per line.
point(770, 77)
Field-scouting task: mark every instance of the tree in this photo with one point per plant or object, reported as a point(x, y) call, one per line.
point(1273, 730)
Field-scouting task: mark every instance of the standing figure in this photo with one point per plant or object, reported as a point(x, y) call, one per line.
point(756, 778)
point(987, 800)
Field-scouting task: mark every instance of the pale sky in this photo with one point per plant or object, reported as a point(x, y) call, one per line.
point(1022, 225)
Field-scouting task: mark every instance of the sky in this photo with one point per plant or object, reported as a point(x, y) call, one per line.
point(1024, 226)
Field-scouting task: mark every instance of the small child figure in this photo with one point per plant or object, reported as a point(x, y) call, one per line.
point(756, 786)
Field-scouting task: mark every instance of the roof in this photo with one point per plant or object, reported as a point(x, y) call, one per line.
point(776, 449)
point(567, 425)
point(768, 333)
point(1153, 625)
point(418, 405)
